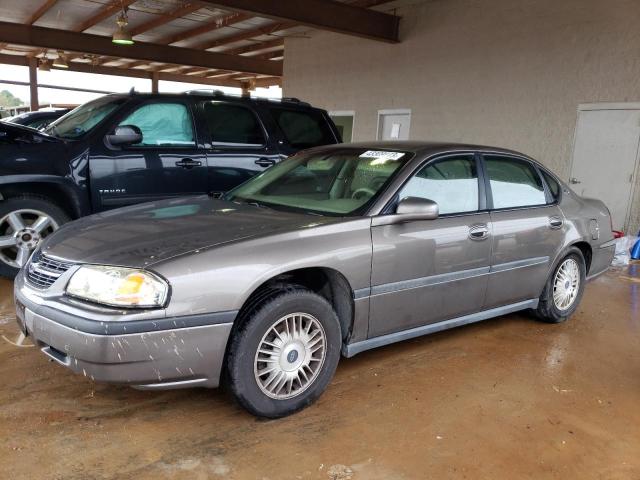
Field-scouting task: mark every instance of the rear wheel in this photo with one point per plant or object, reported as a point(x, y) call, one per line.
point(24, 222)
point(564, 289)
point(284, 354)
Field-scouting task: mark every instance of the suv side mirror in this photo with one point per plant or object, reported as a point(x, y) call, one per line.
point(125, 135)
point(410, 209)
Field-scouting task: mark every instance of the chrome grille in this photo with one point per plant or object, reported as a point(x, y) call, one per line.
point(42, 271)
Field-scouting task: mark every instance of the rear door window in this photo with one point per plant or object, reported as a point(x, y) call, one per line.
point(233, 125)
point(303, 128)
point(514, 182)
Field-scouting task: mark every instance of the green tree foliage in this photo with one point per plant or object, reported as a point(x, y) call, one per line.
point(7, 99)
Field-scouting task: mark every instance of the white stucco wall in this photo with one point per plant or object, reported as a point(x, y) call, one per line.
point(509, 73)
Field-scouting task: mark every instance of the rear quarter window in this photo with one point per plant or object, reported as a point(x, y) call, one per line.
point(303, 128)
point(554, 186)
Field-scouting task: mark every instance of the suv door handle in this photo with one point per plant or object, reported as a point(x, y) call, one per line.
point(265, 162)
point(188, 163)
point(555, 222)
point(479, 231)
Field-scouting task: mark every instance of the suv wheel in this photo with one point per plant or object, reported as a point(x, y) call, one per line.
point(284, 355)
point(24, 222)
point(563, 290)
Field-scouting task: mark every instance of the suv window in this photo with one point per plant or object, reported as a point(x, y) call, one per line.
point(84, 118)
point(232, 124)
point(554, 186)
point(303, 128)
point(514, 182)
point(163, 124)
point(451, 182)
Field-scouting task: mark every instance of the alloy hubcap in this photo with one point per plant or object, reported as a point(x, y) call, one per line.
point(21, 231)
point(290, 356)
point(566, 284)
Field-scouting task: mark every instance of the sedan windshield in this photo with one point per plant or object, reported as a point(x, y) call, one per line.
point(81, 120)
point(341, 182)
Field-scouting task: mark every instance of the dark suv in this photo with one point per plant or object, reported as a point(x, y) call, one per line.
point(124, 149)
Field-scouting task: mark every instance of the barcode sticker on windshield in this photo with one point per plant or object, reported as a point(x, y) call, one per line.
point(382, 155)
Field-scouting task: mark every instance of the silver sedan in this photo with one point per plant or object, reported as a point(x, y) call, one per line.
point(335, 251)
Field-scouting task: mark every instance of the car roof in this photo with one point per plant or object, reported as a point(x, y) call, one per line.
point(423, 148)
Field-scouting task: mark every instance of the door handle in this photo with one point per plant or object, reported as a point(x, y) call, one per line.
point(265, 162)
point(479, 232)
point(574, 181)
point(555, 222)
point(188, 163)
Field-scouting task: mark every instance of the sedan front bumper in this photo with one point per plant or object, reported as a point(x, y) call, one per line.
point(153, 356)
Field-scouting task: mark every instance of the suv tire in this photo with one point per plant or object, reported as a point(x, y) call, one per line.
point(24, 221)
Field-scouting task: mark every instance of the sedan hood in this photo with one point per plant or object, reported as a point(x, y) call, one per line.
point(145, 234)
point(14, 133)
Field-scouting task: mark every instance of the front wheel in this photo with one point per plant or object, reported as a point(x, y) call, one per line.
point(284, 354)
point(564, 289)
point(24, 222)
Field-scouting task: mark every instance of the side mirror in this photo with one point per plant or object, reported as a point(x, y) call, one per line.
point(416, 208)
point(125, 135)
point(410, 209)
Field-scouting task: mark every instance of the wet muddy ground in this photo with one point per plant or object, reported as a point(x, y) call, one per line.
point(507, 398)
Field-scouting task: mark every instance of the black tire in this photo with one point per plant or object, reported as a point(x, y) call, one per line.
point(547, 310)
point(247, 338)
point(26, 202)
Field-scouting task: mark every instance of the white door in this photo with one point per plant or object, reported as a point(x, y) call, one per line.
point(394, 124)
point(604, 159)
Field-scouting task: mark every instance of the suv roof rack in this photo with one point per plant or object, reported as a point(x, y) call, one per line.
point(205, 91)
point(295, 100)
point(220, 93)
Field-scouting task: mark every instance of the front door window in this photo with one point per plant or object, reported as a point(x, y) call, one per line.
point(163, 124)
point(452, 183)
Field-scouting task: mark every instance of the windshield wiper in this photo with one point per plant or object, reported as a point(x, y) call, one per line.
point(257, 204)
point(246, 201)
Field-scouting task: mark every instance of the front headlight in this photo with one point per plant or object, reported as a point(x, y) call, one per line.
point(118, 286)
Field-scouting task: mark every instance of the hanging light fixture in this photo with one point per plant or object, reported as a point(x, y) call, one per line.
point(122, 36)
point(93, 59)
point(44, 63)
point(61, 60)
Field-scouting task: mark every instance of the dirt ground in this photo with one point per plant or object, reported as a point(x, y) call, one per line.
point(509, 398)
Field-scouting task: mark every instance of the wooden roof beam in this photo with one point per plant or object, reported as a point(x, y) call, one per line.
point(167, 17)
point(138, 63)
point(206, 27)
point(44, 8)
point(322, 14)
point(245, 35)
point(256, 47)
point(105, 12)
point(124, 72)
point(101, 45)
